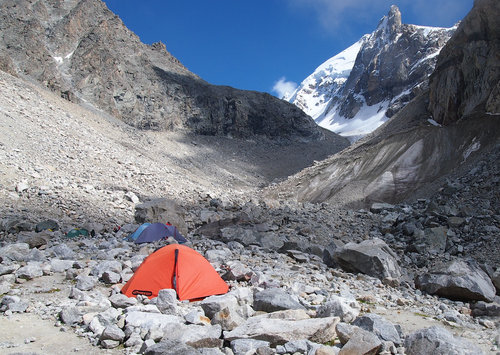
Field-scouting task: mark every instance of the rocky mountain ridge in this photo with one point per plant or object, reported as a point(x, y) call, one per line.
point(467, 75)
point(411, 151)
point(377, 77)
point(83, 51)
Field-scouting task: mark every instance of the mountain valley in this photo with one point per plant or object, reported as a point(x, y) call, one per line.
point(387, 245)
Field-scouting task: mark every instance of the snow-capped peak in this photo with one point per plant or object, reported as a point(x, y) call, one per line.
point(355, 91)
point(314, 94)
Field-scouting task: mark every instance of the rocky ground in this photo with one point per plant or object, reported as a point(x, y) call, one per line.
point(312, 276)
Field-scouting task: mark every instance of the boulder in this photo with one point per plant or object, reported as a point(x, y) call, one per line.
point(361, 342)
point(161, 210)
point(434, 239)
point(347, 310)
point(85, 283)
point(379, 326)
point(458, 280)
point(247, 346)
point(275, 299)
point(48, 224)
point(329, 252)
point(214, 304)
point(379, 207)
point(30, 271)
point(237, 272)
point(280, 331)
point(110, 277)
point(62, 251)
point(228, 319)
point(106, 266)
point(70, 315)
point(58, 265)
point(197, 316)
point(252, 236)
point(112, 332)
point(298, 347)
point(197, 336)
point(148, 320)
point(15, 252)
point(483, 309)
point(167, 301)
point(371, 257)
point(437, 341)
point(167, 346)
point(119, 300)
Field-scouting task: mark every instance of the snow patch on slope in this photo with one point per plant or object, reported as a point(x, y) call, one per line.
point(315, 93)
point(368, 119)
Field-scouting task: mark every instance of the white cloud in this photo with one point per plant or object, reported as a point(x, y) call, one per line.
point(284, 88)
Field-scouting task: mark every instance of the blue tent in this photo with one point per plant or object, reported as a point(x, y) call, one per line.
point(137, 232)
point(148, 233)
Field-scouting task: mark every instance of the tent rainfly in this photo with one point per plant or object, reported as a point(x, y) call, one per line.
point(176, 267)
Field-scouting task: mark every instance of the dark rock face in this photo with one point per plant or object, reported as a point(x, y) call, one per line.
point(467, 76)
point(372, 257)
point(458, 280)
point(393, 64)
point(83, 51)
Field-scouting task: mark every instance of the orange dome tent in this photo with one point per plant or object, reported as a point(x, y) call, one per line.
point(177, 267)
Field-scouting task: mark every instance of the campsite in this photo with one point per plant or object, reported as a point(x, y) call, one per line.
point(145, 210)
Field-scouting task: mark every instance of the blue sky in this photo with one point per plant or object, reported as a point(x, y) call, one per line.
point(255, 44)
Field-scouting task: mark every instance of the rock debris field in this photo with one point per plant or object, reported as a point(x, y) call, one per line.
point(413, 278)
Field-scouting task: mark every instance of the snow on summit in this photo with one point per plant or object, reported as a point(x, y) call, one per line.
point(316, 92)
point(357, 90)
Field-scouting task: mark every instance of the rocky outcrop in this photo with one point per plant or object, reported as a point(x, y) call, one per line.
point(83, 51)
point(396, 58)
point(467, 75)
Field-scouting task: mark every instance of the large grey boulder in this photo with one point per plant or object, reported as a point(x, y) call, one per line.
point(112, 332)
point(458, 280)
point(30, 271)
point(361, 341)
point(379, 326)
point(162, 210)
point(371, 257)
point(70, 315)
point(62, 251)
point(346, 309)
point(280, 331)
point(15, 252)
point(106, 266)
point(119, 300)
point(275, 299)
point(213, 304)
point(148, 320)
point(438, 341)
point(197, 336)
point(167, 301)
